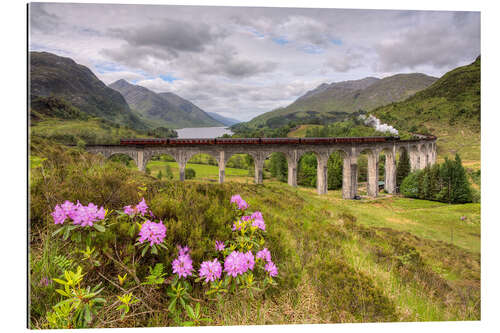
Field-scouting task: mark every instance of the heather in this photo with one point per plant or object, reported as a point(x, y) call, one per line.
point(335, 260)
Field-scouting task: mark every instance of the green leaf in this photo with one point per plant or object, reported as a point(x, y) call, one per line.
point(144, 251)
point(59, 281)
point(57, 231)
point(171, 306)
point(66, 233)
point(62, 292)
point(154, 250)
point(88, 315)
point(190, 311)
point(99, 228)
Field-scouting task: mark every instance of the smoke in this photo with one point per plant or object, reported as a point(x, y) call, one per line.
point(375, 123)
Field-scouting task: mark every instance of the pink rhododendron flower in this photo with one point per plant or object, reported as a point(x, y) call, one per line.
point(152, 232)
point(59, 215)
point(80, 214)
point(210, 270)
point(219, 246)
point(239, 202)
point(183, 250)
point(141, 208)
point(264, 254)
point(258, 221)
point(249, 260)
point(271, 269)
point(183, 266)
point(236, 263)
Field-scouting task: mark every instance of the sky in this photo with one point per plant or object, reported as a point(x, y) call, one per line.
point(243, 61)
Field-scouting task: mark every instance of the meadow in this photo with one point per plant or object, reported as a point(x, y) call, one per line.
point(339, 261)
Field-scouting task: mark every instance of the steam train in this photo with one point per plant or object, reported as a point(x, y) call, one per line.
point(256, 141)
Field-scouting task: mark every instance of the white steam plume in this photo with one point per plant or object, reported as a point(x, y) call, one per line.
point(375, 123)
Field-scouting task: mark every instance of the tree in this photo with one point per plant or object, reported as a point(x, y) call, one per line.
point(409, 185)
point(190, 173)
point(461, 187)
point(159, 175)
point(403, 168)
point(279, 167)
point(335, 165)
point(306, 173)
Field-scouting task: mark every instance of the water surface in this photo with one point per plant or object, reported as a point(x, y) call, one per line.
point(202, 132)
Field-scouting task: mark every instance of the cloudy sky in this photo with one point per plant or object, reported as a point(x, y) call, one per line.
point(241, 62)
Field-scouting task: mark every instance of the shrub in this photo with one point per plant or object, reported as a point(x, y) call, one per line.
point(190, 173)
point(446, 182)
point(240, 265)
point(409, 186)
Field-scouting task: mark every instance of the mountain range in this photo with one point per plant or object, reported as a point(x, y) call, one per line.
point(163, 109)
point(76, 87)
point(225, 120)
point(53, 76)
point(331, 100)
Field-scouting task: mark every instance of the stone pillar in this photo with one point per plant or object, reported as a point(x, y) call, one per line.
point(390, 172)
point(423, 157)
point(347, 178)
point(182, 171)
point(140, 160)
point(414, 159)
point(322, 174)
point(259, 167)
point(434, 153)
point(372, 183)
point(292, 173)
point(222, 167)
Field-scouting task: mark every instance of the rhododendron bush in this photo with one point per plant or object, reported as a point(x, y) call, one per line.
point(151, 272)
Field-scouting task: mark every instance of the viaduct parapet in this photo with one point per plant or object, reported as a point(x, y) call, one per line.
point(422, 152)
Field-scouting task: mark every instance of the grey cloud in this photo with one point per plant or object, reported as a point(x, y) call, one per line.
point(171, 36)
point(438, 44)
point(41, 20)
point(343, 62)
point(225, 57)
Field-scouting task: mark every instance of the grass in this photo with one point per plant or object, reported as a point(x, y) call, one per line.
point(203, 171)
point(92, 131)
point(301, 131)
point(384, 259)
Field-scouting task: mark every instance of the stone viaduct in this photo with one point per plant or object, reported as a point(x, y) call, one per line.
point(422, 152)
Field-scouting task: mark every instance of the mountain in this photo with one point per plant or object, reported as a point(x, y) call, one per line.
point(163, 109)
point(225, 120)
point(450, 109)
point(329, 102)
point(64, 79)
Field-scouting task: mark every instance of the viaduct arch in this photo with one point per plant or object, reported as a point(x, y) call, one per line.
point(422, 152)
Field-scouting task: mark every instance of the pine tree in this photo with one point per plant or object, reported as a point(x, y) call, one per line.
point(403, 167)
point(426, 183)
point(461, 187)
point(435, 182)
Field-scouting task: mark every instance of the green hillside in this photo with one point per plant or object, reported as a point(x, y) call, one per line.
point(164, 109)
point(449, 109)
point(333, 102)
point(55, 76)
point(56, 119)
